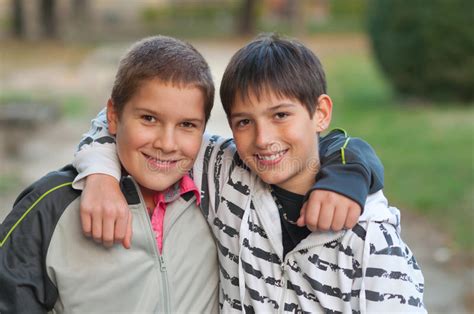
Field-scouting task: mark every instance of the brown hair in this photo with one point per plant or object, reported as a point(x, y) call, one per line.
point(277, 65)
point(165, 58)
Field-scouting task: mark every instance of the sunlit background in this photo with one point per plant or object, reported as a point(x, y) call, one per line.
point(401, 74)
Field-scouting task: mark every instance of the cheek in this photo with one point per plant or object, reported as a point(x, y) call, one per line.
point(301, 133)
point(130, 139)
point(242, 142)
point(190, 145)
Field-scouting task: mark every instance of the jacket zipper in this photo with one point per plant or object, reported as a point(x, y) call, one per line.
point(161, 260)
point(166, 294)
point(163, 267)
point(284, 287)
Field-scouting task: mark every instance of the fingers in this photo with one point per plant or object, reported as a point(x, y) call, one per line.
point(326, 210)
point(352, 216)
point(121, 225)
point(127, 241)
point(108, 224)
point(86, 222)
point(104, 211)
point(326, 216)
point(312, 215)
point(339, 218)
point(301, 222)
point(97, 226)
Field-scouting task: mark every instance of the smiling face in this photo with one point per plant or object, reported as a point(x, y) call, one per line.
point(158, 133)
point(277, 138)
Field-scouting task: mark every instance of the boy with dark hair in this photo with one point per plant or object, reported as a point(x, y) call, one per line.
point(274, 94)
point(160, 102)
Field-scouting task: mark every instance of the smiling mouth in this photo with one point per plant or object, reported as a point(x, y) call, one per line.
point(271, 158)
point(157, 163)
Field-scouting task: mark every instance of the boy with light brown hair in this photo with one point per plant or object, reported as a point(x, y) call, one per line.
point(160, 103)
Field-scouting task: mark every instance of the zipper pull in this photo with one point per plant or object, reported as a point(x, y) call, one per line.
point(162, 264)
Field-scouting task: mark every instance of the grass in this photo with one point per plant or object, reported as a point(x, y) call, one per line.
point(427, 151)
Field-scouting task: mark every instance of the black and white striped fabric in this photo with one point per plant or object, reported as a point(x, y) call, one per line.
point(366, 269)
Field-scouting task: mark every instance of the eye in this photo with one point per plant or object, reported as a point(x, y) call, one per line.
point(242, 123)
point(281, 115)
point(188, 125)
point(148, 118)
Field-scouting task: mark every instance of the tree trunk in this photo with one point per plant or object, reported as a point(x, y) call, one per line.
point(18, 25)
point(247, 17)
point(48, 18)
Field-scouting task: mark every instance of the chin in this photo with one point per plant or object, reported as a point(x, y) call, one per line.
point(271, 178)
point(155, 184)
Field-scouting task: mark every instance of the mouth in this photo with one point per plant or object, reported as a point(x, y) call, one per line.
point(270, 159)
point(161, 164)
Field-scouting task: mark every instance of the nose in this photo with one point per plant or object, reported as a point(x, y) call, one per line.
point(165, 140)
point(264, 135)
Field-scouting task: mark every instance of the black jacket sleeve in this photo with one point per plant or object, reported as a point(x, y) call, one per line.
point(25, 286)
point(349, 166)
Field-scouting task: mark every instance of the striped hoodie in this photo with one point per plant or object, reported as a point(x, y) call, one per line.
point(366, 269)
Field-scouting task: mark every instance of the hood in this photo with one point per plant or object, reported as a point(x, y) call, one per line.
point(376, 209)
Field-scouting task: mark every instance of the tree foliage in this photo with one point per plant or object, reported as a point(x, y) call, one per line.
point(426, 48)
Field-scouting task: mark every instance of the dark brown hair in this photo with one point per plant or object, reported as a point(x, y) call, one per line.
point(272, 64)
point(164, 58)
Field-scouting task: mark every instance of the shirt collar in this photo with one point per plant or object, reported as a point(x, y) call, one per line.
point(183, 186)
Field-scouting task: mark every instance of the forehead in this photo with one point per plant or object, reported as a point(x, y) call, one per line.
point(256, 99)
point(166, 97)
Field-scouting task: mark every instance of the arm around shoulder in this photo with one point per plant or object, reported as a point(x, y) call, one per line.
point(96, 152)
point(349, 166)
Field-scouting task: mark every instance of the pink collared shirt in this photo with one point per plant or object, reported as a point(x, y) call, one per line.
point(161, 199)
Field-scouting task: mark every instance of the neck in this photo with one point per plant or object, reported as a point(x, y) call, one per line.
point(300, 188)
point(148, 198)
point(302, 182)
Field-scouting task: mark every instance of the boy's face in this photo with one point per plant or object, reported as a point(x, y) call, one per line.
point(277, 139)
point(159, 133)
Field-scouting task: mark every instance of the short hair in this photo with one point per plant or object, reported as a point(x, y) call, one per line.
point(167, 59)
point(273, 64)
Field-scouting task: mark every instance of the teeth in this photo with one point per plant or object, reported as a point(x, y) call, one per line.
point(164, 162)
point(271, 157)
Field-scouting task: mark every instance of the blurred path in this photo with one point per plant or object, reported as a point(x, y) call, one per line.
point(448, 281)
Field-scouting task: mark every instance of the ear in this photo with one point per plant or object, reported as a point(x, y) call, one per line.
point(323, 114)
point(112, 117)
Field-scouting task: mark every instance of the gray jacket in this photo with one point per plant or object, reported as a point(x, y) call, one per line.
point(47, 264)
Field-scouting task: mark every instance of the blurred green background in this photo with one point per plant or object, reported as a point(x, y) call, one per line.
point(63, 53)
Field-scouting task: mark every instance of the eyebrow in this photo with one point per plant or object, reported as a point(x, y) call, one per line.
point(271, 109)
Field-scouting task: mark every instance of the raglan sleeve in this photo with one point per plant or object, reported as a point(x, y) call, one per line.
point(24, 284)
point(96, 152)
point(349, 166)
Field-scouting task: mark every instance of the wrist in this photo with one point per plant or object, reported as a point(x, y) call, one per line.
point(100, 178)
